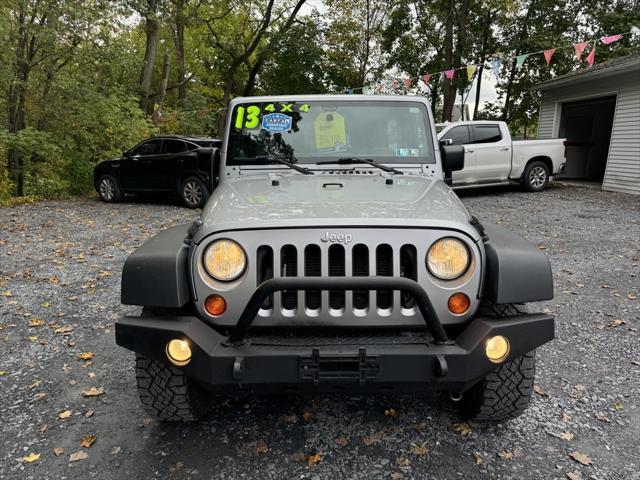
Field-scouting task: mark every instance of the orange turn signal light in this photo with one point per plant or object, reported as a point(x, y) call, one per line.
point(215, 305)
point(458, 303)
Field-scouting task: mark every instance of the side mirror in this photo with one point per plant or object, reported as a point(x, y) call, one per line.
point(445, 142)
point(452, 160)
point(126, 153)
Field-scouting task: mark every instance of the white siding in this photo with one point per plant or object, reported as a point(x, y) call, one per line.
point(623, 163)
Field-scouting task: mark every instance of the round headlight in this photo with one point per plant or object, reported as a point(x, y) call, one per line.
point(225, 260)
point(448, 259)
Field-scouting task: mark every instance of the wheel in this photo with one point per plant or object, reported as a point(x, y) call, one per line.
point(536, 176)
point(504, 393)
point(194, 192)
point(109, 189)
point(167, 394)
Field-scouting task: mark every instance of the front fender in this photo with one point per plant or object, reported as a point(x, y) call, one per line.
point(156, 274)
point(517, 271)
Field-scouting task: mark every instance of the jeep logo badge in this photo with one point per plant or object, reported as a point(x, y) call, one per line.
point(336, 238)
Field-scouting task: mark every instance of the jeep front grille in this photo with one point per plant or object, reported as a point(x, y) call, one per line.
point(357, 260)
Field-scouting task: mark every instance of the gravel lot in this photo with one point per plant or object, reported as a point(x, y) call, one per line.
point(60, 266)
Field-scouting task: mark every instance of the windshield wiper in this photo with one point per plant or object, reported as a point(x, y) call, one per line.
point(368, 161)
point(284, 161)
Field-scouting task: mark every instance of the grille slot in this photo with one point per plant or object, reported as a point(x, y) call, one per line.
point(264, 262)
point(408, 269)
point(312, 268)
point(289, 268)
point(360, 266)
point(336, 269)
point(384, 267)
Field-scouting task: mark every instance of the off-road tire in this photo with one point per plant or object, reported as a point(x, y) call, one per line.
point(194, 192)
point(167, 394)
point(109, 189)
point(504, 393)
point(536, 176)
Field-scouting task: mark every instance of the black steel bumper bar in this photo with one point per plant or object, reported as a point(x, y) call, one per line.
point(338, 283)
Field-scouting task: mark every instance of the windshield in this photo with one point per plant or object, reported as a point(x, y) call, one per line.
point(314, 131)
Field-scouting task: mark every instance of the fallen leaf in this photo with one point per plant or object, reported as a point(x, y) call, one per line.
point(79, 455)
point(36, 322)
point(7, 294)
point(88, 440)
point(85, 356)
point(308, 416)
point(566, 436)
point(64, 414)
point(419, 427)
point(505, 454)
point(616, 323)
point(631, 296)
point(341, 441)
point(419, 450)
point(44, 428)
point(403, 462)
point(290, 419)
point(602, 417)
point(32, 457)
point(463, 428)
point(373, 438)
point(35, 384)
point(540, 391)
point(2, 373)
point(115, 450)
point(93, 392)
point(396, 476)
point(46, 304)
point(391, 412)
point(63, 330)
point(577, 390)
point(260, 447)
point(574, 475)
point(582, 458)
point(89, 413)
point(313, 460)
point(58, 451)
point(479, 459)
point(566, 417)
point(617, 406)
point(92, 375)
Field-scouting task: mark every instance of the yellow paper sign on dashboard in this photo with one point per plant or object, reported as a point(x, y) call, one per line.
point(330, 130)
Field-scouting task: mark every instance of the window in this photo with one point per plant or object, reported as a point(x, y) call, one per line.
point(486, 133)
point(152, 147)
point(193, 146)
point(459, 135)
point(172, 146)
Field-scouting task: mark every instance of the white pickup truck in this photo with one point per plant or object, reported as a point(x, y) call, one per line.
point(492, 158)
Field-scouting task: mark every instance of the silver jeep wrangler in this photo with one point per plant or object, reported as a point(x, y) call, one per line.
point(333, 256)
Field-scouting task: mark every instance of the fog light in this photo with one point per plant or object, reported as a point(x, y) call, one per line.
point(178, 352)
point(458, 303)
point(497, 349)
point(215, 305)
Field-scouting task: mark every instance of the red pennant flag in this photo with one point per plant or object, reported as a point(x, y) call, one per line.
point(548, 54)
point(579, 48)
point(425, 78)
point(407, 82)
point(591, 58)
point(394, 85)
point(611, 39)
point(449, 74)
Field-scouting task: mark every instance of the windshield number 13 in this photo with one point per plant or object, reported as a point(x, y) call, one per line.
point(252, 114)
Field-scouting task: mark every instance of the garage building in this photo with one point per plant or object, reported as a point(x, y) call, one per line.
point(598, 111)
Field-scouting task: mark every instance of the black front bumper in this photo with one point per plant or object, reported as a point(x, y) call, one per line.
point(324, 363)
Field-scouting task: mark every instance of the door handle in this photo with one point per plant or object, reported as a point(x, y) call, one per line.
point(469, 150)
point(503, 149)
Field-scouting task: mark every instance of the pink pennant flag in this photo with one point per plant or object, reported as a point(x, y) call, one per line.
point(449, 73)
point(611, 39)
point(548, 54)
point(394, 84)
point(407, 82)
point(591, 58)
point(425, 78)
point(579, 48)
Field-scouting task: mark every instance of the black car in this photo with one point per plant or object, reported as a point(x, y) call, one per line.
point(179, 166)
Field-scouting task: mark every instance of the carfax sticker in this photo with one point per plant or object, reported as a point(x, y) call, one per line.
point(276, 122)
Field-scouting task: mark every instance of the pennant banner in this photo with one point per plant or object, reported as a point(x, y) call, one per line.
point(471, 69)
point(591, 58)
point(407, 82)
point(495, 66)
point(520, 60)
point(611, 39)
point(548, 54)
point(449, 73)
point(579, 48)
point(425, 78)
